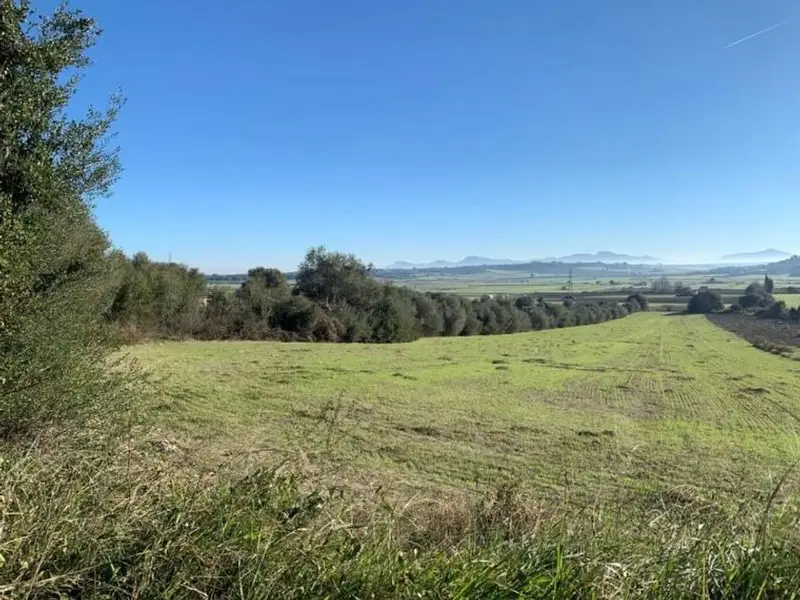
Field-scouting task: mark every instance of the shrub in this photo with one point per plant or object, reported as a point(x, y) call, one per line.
point(471, 324)
point(705, 302)
point(56, 282)
point(427, 315)
point(297, 315)
point(353, 324)
point(641, 300)
point(777, 310)
point(219, 320)
point(392, 318)
point(756, 297)
point(454, 314)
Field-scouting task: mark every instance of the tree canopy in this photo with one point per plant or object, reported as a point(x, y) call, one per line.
point(56, 280)
point(704, 302)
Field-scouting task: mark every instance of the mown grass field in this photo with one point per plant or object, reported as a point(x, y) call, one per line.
point(606, 412)
point(792, 300)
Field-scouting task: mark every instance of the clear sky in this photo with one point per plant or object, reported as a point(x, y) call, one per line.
point(432, 129)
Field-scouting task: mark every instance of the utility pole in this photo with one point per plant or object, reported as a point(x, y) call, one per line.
point(569, 283)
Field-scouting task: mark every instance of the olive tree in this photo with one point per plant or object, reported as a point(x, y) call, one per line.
point(55, 279)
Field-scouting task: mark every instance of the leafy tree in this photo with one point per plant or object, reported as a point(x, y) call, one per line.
point(156, 298)
point(454, 314)
point(640, 299)
point(262, 290)
point(661, 285)
point(392, 318)
point(352, 324)
point(756, 296)
point(55, 281)
point(487, 317)
point(330, 278)
point(219, 316)
point(769, 284)
point(632, 305)
point(705, 302)
point(754, 288)
point(471, 324)
point(271, 279)
point(777, 310)
point(297, 315)
point(427, 315)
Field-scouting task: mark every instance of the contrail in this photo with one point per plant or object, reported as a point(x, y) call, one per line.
point(758, 33)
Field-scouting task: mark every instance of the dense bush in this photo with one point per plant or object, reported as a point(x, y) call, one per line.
point(157, 297)
point(56, 281)
point(705, 302)
point(756, 296)
point(776, 310)
point(640, 300)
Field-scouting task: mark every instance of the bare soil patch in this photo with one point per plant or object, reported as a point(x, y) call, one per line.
point(772, 335)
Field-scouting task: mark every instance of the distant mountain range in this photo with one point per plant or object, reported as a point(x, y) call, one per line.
point(469, 261)
point(483, 261)
point(788, 266)
point(762, 256)
point(607, 257)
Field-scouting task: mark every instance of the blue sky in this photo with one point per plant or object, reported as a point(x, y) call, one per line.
point(433, 129)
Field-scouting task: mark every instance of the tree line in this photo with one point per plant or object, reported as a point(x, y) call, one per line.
point(757, 300)
point(335, 298)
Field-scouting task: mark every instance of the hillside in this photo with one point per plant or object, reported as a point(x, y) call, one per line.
point(790, 266)
point(468, 261)
point(761, 257)
point(608, 258)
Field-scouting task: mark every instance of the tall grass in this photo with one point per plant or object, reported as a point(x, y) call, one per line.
point(98, 525)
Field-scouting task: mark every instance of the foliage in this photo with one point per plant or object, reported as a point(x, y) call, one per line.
point(756, 296)
point(298, 315)
point(777, 310)
point(769, 284)
point(55, 279)
point(705, 302)
point(662, 285)
point(337, 299)
point(98, 531)
point(330, 278)
point(156, 297)
point(392, 317)
point(639, 299)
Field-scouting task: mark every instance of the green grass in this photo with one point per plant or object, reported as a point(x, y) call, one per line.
point(646, 402)
point(649, 457)
point(792, 300)
point(510, 282)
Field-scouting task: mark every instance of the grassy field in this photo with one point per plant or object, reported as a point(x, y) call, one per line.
point(650, 402)
point(500, 282)
point(792, 300)
point(648, 457)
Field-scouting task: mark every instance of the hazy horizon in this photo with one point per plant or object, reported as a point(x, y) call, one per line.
point(676, 261)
